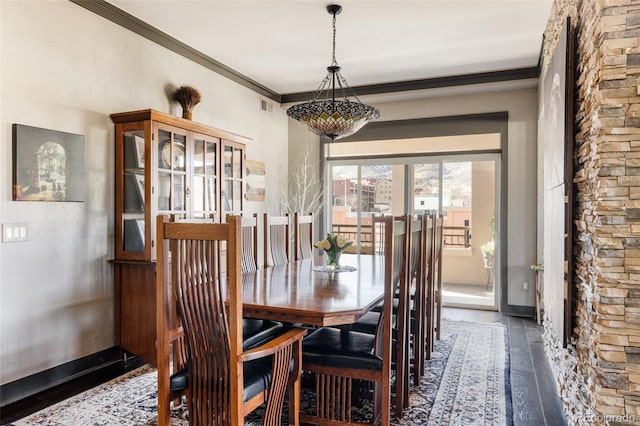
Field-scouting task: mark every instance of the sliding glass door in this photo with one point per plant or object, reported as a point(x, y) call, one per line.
point(468, 206)
point(464, 189)
point(358, 192)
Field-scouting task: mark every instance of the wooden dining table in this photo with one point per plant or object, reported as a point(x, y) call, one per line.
point(304, 291)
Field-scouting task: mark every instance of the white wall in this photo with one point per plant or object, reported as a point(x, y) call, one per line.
point(67, 69)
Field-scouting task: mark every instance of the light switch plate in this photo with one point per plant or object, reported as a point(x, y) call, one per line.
point(14, 232)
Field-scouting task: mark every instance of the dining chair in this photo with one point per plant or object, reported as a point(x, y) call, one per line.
point(403, 323)
point(254, 330)
point(339, 359)
point(303, 235)
point(421, 311)
point(249, 243)
point(276, 239)
point(402, 310)
point(417, 280)
point(402, 313)
point(225, 381)
point(410, 306)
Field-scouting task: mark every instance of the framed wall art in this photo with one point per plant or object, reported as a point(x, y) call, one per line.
point(255, 180)
point(48, 165)
point(557, 140)
point(139, 142)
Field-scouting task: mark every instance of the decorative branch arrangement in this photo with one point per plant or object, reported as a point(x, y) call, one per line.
point(304, 194)
point(187, 97)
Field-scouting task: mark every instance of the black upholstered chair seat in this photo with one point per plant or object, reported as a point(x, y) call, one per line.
point(378, 308)
point(368, 323)
point(257, 376)
point(333, 347)
point(257, 331)
point(396, 302)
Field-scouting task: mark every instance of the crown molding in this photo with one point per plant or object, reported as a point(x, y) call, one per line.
point(428, 83)
point(130, 22)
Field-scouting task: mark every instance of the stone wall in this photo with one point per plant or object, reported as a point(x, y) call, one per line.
point(598, 375)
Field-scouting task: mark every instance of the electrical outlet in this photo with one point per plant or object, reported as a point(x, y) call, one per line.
point(525, 286)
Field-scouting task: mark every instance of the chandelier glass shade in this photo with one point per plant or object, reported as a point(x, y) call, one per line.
point(327, 116)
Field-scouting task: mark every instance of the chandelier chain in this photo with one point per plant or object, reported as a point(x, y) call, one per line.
point(342, 82)
point(348, 91)
point(333, 59)
point(320, 89)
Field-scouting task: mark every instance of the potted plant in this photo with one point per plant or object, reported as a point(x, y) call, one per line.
point(488, 250)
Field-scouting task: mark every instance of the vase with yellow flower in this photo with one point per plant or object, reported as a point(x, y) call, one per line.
point(333, 245)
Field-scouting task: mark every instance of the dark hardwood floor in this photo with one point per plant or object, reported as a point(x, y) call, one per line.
point(534, 394)
point(37, 402)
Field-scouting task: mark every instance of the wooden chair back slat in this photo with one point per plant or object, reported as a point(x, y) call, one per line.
point(377, 234)
point(395, 238)
point(429, 223)
point(276, 240)
point(437, 272)
point(417, 279)
point(203, 312)
point(303, 235)
point(402, 278)
point(250, 243)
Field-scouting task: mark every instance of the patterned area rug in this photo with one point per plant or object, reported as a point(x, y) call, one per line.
point(466, 383)
point(475, 387)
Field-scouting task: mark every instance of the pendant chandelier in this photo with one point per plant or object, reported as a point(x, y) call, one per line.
point(327, 116)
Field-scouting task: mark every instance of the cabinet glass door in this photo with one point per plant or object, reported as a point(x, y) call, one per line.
point(233, 159)
point(172, 190)
point(133, 191)
point(204, 192)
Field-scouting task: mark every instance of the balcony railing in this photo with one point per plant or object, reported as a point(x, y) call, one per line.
point(453, 236)
point(351, 231)
point(456, 236)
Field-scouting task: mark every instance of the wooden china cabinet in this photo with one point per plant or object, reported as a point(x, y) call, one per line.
point(172, 166)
